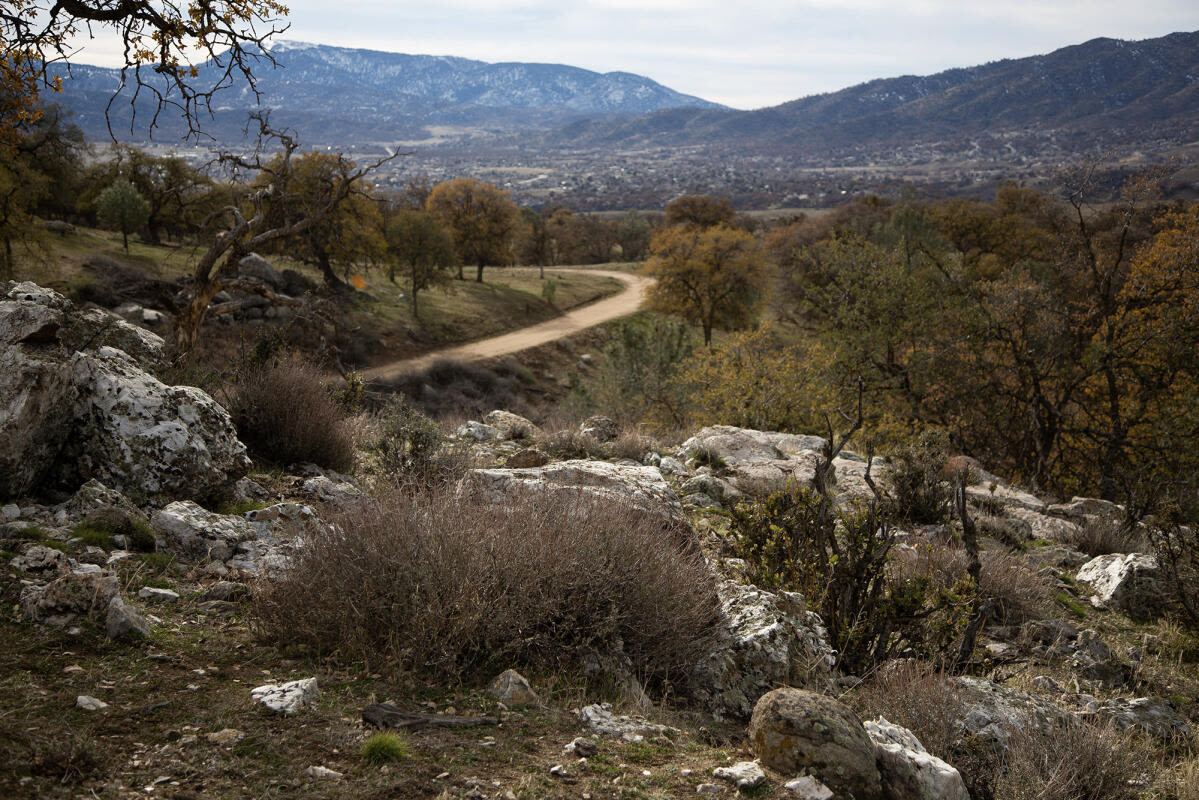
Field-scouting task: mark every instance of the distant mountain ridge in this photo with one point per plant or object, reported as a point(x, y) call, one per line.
point(339, 93)
point(1100, 85)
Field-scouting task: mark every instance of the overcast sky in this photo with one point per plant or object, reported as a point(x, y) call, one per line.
point(744, 53)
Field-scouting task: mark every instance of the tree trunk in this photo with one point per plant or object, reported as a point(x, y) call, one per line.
point(187, 323)
point(125, 239)
point(479, 275)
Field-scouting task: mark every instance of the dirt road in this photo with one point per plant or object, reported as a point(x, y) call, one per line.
point(609, 308)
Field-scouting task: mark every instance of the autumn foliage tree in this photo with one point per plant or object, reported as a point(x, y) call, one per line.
point(713, 278)
point(481, 218)
point(418, 248)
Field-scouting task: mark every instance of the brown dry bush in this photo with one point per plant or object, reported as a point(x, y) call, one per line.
point(917, 696)
point(632, 445)
point(1080, 761)
point(1018, 592)
point(444, 582)
point(284, 413)
point(1100, 537)
point(571, 444)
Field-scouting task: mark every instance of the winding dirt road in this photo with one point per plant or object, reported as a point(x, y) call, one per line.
point(618, 305)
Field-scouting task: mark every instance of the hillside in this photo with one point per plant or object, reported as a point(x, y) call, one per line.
point(1105, 90)
point(341, 95)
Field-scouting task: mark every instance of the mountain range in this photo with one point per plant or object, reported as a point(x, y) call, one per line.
point(1100, 93)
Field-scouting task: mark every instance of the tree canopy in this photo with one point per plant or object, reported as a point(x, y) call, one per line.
point(481, 218)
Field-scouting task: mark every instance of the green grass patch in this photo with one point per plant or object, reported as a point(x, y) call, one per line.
point(1071, 603)
point(384, 747)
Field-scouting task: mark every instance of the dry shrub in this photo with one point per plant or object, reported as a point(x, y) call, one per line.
point(917, 696)
point(1100, 537)
point(443, 582)
point(1019, 593)
point(284, 413)
point(449, 388)
point(1072, 762)
point(571, 444)
point(632, 445)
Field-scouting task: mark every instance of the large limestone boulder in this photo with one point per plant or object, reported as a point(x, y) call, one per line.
point(767, 640)
point(909, 772)
point(1131, 582)
point(77, 403)
point(641, 487)
point(795, 731)
point(146, 439)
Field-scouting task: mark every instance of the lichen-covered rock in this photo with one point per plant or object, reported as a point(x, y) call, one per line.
point(512, 689)
point(767, 640)
point(1131, 582)
point(94, 328)
point(529, 457)
point(625, 484)
point(61, 601)
point(993, 712)
point(910, 772)
point(794, 731)
point(745, 775)
point(122, 622)
point(602, 429)
point(287, 698)
point(511, 426)
point(150, 441)
point(39, 558)
point(190, 531)
point(1152, 716)
point(477, 431)
point(599, 718)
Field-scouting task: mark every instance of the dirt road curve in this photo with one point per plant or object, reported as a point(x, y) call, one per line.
point(609, 308)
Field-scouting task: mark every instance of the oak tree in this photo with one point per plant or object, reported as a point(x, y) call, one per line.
point(121, 206)
point(481, 218)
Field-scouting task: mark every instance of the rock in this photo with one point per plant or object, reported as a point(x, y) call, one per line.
point(1083, 509)
point(39, 558)
point(60, 601)
point(709, 788)
point(340, 494)
point(123, 622)
point(89, 703)
point(745, 775)
point(808, 788)
point(288, 698)
point(710, 486)
point(10, 512)
point(635, 485)
point(255, 266)
point(909, 772)
point(150, 441)
point(767, 640)
point(511, 689)
point(669, 465)
point(185, 528)
point(511, 426)
point(477, 431)
point(524, 459)
point(1131, 582)
point(225, 737)
point(793, 731)
point(37, 392)
point(1155, 717)
point(602, 429)
point(993, 712)
point(153, 594)
point(584, 748)
point(95, 328)
point(323, 773)
point(630, 728)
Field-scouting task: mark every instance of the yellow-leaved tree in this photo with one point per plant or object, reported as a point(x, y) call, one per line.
point(712, 277)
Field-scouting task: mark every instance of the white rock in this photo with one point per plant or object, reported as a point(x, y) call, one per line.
point(189, 530)
point(89, 703)
point(630, 728)
point(769, 640)
point(511, 426)
point(908, 770)
point(288, 698)
point(155, 595)
point(626, 484)
point(743, 774)
point(1128, 581)
point(10, 512)
point(324, 772)
point(477, 431)
point(808, 788)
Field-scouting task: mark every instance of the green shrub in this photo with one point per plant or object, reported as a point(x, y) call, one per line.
point(405, 440)
point(285, 414)
point(441, 581)
point(384, 747)
point(916, 483)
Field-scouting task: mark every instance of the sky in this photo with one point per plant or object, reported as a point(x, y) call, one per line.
point(743, 53)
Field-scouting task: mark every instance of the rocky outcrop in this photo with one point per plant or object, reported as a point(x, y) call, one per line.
point(74, 407)
point(909, 772)
point(767, 640)
point(1131, 582)
point(794, 731)
point(511, 426)
point(993, 712)
point(600, 719)
point(624, 484)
